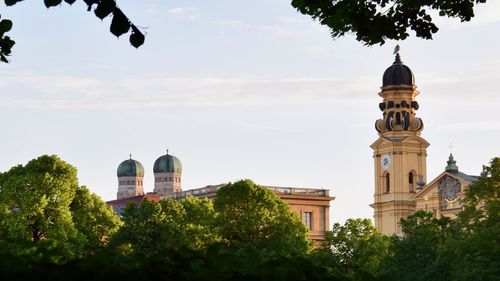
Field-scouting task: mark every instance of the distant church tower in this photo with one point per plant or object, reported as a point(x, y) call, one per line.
point(130, 179)
point(168, 171)
point(399, 153)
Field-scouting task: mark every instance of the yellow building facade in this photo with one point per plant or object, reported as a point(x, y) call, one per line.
point(400, 158)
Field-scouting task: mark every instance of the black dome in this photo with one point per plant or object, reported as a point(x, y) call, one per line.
point(398, 74)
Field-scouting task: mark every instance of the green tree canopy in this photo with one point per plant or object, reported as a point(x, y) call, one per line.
point(354, 249)
point(474, 249)
point(153, 227)
point(414, 256)
point(251, 216)
point(375, 21)
point(93, 219)
point(34, 202)
point(45, 215)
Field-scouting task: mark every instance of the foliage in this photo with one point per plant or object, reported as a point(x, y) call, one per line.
point(120, 23)
point(46, 216)
point(476, 244)
point(414, 256)
point(214, 263)
point(375, 21)
point(94, 220)
point(6, 43)
point(253, 217)
point(34, 201)
point(153, 227)
point(355, 249)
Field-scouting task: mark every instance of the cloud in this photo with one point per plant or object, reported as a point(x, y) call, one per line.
point(184, 13)
point(465, 89)
point(84, 93)
point(471, 126)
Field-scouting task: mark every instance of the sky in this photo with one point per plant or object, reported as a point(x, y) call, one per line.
point(238, 89)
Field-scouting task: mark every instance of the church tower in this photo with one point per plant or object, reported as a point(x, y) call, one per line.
point(168, 171)
point(399, 153)
point(130, 176)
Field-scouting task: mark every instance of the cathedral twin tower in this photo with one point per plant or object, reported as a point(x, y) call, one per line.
point(399, 153)
point(167, 172)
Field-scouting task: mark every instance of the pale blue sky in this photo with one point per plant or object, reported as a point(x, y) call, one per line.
point(237, 89)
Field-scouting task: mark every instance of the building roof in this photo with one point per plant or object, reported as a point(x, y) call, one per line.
point(398, 74)
point(120, 204)
point(130, 168)
point(167, 164)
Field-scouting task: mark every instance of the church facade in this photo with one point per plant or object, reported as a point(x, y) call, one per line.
point(400, 157)
point(312, 205)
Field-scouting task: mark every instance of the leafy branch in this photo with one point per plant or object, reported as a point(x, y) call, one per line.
point(375, 21)
point(120, 24)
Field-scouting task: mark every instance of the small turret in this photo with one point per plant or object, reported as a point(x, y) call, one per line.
point(452, 165)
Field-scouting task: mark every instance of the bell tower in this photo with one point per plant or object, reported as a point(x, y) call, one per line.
point(399, 153)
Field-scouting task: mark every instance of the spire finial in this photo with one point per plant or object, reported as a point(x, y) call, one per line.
point(396, 52)
point(451, 148)
point(130, 156)
point(167, 151)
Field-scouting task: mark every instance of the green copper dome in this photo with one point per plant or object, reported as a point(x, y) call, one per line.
point(167, 164)
point(130, 168)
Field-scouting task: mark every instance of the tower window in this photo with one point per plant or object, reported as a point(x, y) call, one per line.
point(308, 219)
point(411, 179)
point(387, 183)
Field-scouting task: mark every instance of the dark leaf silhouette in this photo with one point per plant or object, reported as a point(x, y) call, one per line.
point(120, 23)
point(375, 21)
point(11, 2)
point(136, 38)
point(105, 8)
point(51, 3)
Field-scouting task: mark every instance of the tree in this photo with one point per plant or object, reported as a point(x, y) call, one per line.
point(120, 24)
point(414, 256)
point(474, 250)
point(93, 219)
point(354, 249)
point(34, 202)
point(253, 217)
point(375, 21)
point(153, 227)
point(46, 216)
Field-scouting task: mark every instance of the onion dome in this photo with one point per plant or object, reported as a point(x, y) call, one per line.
point(398, 74)
point(130, 168)
point(167, 164)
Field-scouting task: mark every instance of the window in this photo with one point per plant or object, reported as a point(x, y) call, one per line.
point(411, 179)
point(170, 179)
point(308, 219)
point(387, 183)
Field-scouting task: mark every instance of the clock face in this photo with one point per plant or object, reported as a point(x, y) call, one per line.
point(385, 161)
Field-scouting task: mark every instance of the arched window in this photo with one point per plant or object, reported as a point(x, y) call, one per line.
point(387, 183)
point(411, 180)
